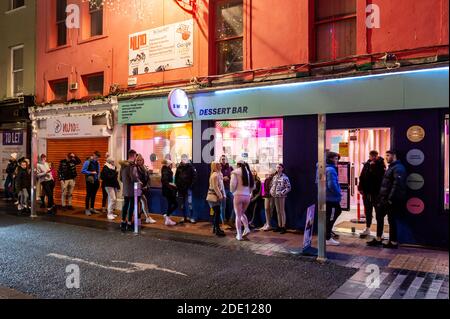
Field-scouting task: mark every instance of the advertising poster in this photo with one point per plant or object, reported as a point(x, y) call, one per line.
point(309, 227)
point(164, 48)
point(13, 141)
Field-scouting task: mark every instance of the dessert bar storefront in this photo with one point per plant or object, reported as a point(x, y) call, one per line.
point(278, 123)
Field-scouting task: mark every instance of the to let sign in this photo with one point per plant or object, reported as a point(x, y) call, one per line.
point(12, 137)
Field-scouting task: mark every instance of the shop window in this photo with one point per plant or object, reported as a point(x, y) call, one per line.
point(61, 29)
point(94, 84)
point(17, 70)
point(446, 163)
point(15, 4)
point(335, 28)
point(59, 89)
point(258, 142)
point(229, 36)
point(96, 16)
point(159, 142)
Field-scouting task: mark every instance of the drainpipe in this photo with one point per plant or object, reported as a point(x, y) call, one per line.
point(34, 160)
point(321, 187)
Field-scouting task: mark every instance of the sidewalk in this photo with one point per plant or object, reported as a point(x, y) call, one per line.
point(407, 272)
point(7, 293)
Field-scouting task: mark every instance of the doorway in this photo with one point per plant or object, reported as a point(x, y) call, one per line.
point(354, 146)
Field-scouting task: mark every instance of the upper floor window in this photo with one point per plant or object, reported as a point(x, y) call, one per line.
point(96, 15)
point(335, 27)
point(229, 36)
point(17, 69)
point(61, 22)
point(94, 84)
point(59, 89)
point(15, 4)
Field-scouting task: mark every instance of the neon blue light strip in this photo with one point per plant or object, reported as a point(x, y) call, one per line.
point(276, 86)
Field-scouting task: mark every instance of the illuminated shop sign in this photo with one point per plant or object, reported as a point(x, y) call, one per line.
point(231, 110)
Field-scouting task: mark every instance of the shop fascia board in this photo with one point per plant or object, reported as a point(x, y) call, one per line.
point(193, 89)
point(97, 107)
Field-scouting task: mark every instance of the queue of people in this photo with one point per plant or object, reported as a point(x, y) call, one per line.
point(236, 196)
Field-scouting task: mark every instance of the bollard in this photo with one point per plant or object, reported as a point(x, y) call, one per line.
point(136, 217)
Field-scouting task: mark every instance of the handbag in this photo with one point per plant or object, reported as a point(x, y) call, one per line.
point(212, 196)
point(90, 179)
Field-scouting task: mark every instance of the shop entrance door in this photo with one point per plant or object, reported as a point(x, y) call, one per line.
point(57, 150)
point(354, 146)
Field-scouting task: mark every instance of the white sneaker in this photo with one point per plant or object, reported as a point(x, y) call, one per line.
point(239, 238)
point(246, 232)
point(365, 233)
point(150, 220)
point(169, 222)
point(332, 242)
point(19, 207)
point(16, 203)
point(88, 212)
point(111, 216)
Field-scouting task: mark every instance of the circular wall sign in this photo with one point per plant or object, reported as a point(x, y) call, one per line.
point(415, 181)
point(415, 134)
point(415, 206)
point(415, 157)
point(178, 103)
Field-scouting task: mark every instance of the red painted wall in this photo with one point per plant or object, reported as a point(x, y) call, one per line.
point(276, 33)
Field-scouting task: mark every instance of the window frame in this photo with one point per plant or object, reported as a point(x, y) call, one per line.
point(87, 77)
point(52, 84)
point(91, 12)
point(218, 41)
point(12, 8)
point(13, 71)
point(332, 21)
point(58, 23)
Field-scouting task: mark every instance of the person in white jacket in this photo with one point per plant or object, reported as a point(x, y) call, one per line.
point(281, 186)
point(241, 185)
point(45, 178)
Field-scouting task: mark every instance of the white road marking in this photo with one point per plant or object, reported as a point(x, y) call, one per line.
point(135, 266)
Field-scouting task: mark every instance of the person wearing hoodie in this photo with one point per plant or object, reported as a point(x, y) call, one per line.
point(333, 196)
point(216, 195)
point(391, 200)
point(169, 191)
point(144, 174)
point(91, 171)
point(253, 212)
point(241, 185)
point(9, 182)
point(109, 177)
point(128, 176)
point(369, 187)
point(23, 186)
point(67, 173)
point(45, 178)
point(281, 186)
point(185, 177)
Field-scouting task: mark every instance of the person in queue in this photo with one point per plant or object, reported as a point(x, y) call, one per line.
point(216, 195)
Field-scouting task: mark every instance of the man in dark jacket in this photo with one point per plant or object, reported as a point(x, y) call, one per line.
point(391, 200)
point(67, 172)
point(185, 177)
point(91, 170)
point(9, 182)
point(369, 186)
point(128, 176)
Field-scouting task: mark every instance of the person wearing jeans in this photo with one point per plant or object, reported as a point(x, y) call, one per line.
point(226, 209)
point(44, 175)
point(91, 170)
point(128, 176)
point(333, 196)
point(281, 186)
point(109, 177)
point(242, 185)
point(169, 191)
point(391, 201)
point(67, 172)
